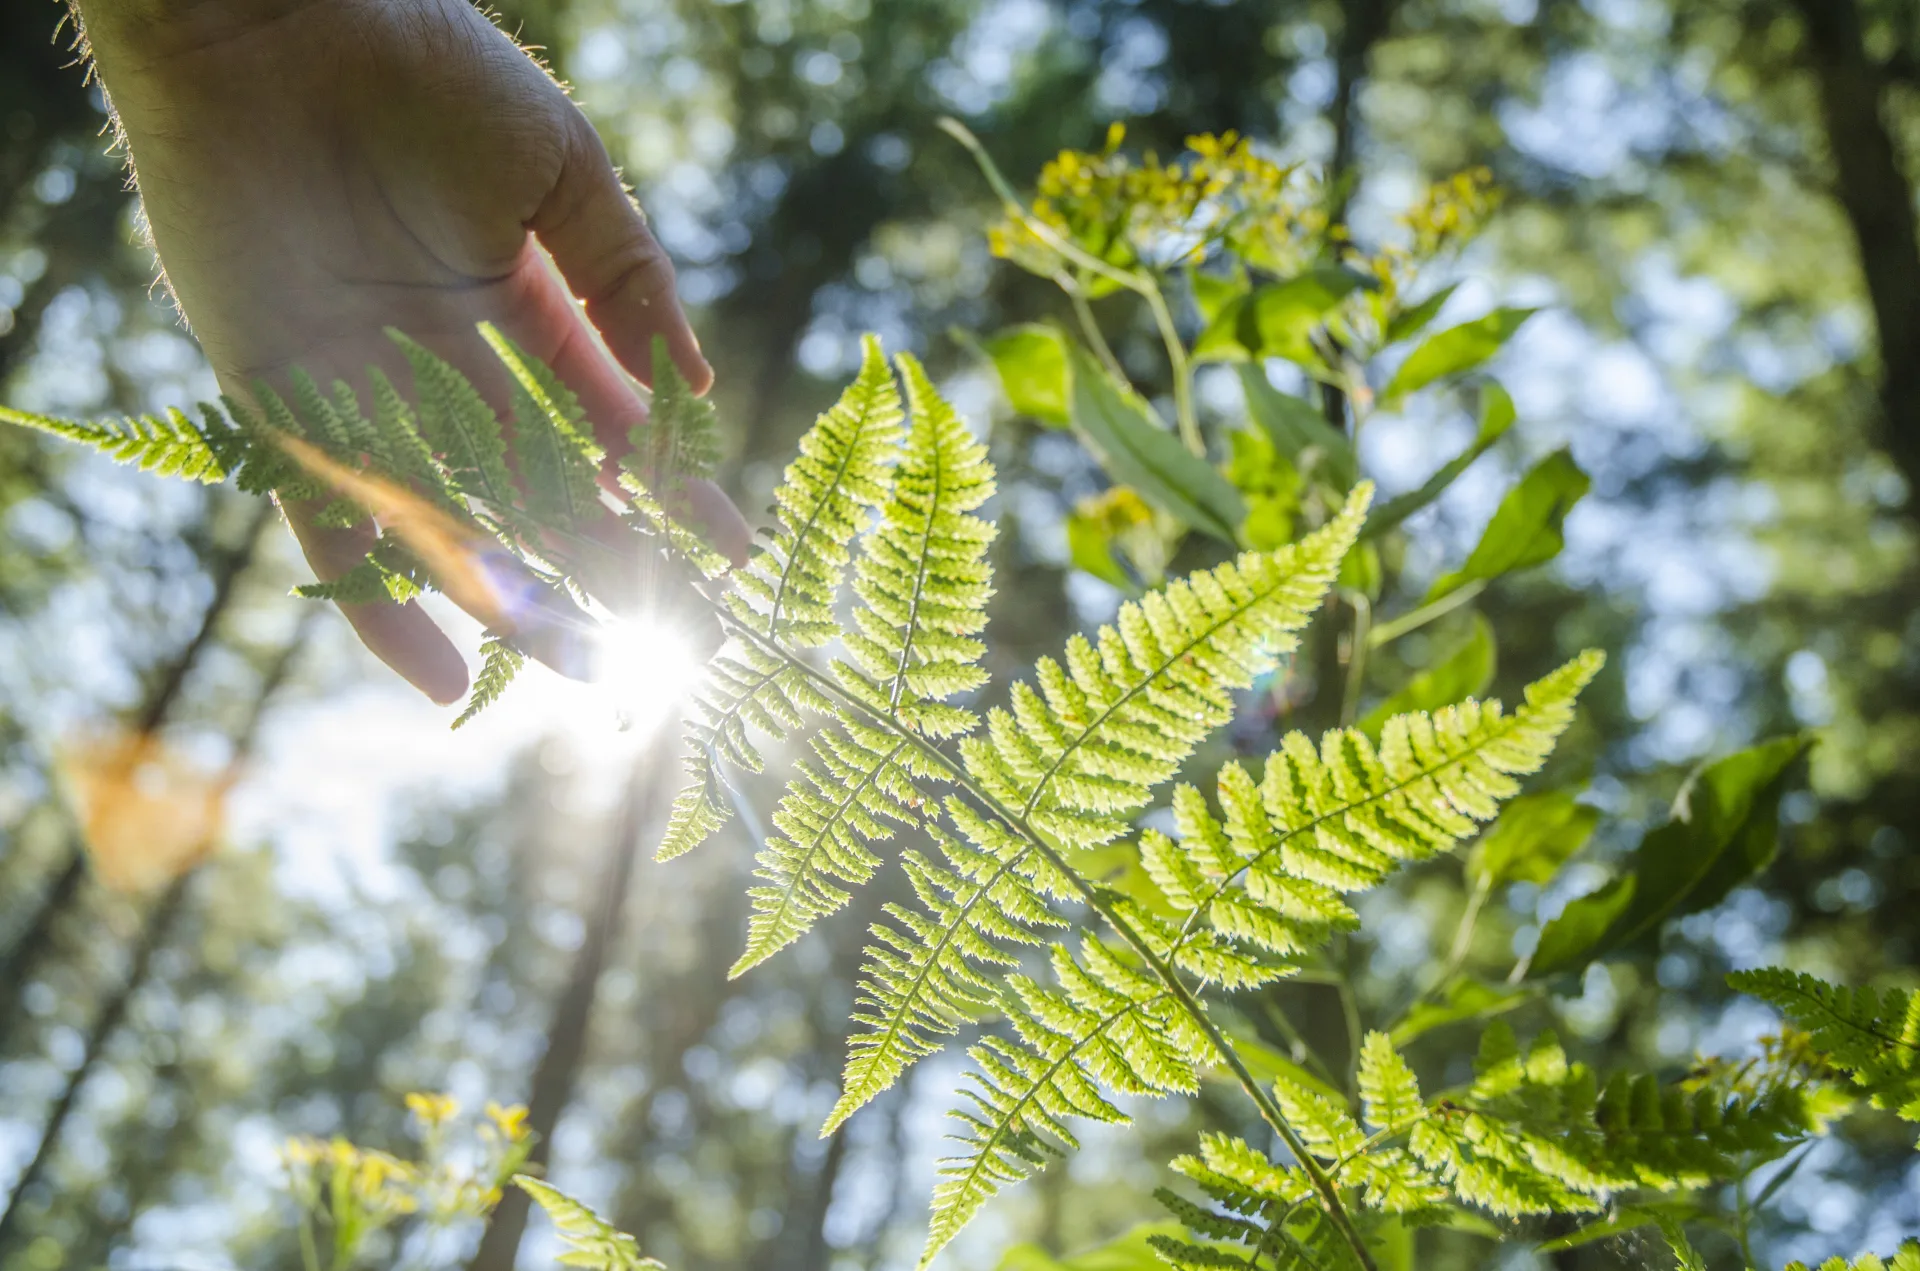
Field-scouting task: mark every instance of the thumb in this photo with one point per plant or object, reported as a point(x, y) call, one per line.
point(598, 237)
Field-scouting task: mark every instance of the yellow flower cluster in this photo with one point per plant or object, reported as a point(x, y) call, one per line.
point(1164, 215)
point(376, 1183)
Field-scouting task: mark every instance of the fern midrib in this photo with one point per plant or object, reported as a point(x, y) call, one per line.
point(813, 517)
point(1827, 1010)
point(1269, 1111)
point(805, 870)
point(899, 685)
point(1200, 908)
point(1073, 747)
point(1004, 1123)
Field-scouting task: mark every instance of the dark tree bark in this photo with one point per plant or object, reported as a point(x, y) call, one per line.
point(558, 1071)
point(1878, 200)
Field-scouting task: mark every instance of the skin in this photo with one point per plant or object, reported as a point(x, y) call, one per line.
point(314, 171)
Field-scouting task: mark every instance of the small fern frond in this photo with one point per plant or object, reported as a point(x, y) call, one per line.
point(1907, 1259)
point(1261, 1216)
point(786, 589)
point(501, 663)
point(680, 439)
point(932, 971)
point(1108, 1025)
point(922, 578)
point(459, 426)
point(592, 1242)
point(171, 445)
point(1083, 753)
point(749, 689)
point(1873, 1037)
point(559, 459)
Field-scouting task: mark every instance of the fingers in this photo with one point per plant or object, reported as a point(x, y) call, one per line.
point(402, 636)
point(600, 241)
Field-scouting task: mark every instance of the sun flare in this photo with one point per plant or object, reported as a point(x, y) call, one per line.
point(646, 668)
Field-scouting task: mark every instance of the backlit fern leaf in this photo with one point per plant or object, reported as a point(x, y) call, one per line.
point(1109, 1025)
point(1083, 752)
point(1260, 1216)
point(786, 590)
point(923, 581)
point(459, 426)
point(680, 438)
point(559, 459)
point(1874, 1037)
point(1907, 1259)
point(592, 1242)
point(171, 444)
point(1125, 710)
point(501, 663)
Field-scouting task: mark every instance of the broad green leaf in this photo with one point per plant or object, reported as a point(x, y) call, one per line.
point(1122, 432)
point(1453, 351)
point(1496, 416)
point(1271, 486)
point(1566, 942)
point(1090, 544)
point(1032, 362)
point(1534, 836)
point(1465, 672)
point(1267, 1063)
point(1464, 1000)
point(1725, 828)
point(1411, 322)
point(1296, 427)
point(1623, 1219)
point(1212, 292)
point(1128, 1252)
point(1526, 528)
point(1276, 320)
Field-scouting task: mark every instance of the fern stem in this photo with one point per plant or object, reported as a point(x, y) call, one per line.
point(1162, 970)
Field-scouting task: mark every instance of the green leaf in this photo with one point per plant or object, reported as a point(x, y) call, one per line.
point(591, 1240)
point(1465, 999)
point(1276, 320)
point(1725, 828)
point(1568, 940)
point(1526, 528)
point(1214, 292)
point(1623, 1219)
point(1032, 362)
point(1532, 838)
point(1453, 351)
point(1122, 432)
point(1496, 416)
point(1411, 322)
point(1090, 544)
point(1132, 1251)
point(1297, 426)
point(1463, 673)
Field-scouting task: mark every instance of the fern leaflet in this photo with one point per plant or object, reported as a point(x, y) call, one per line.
point(592, 1242)
point(1874, 1037)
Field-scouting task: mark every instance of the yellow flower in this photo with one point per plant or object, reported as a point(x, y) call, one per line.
point(434, 1110)
point(512, 1121)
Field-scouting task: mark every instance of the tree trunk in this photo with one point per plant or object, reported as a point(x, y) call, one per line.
point(1878, 201)
point(555, 1076)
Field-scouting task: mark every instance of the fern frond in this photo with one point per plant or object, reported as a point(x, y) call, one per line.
point(1261, 1218)
point(559, 459)
point(1082, 754)
point(171, 445)
point(786, 589)
point(749, 688)
point(1108, 1025)
point(1873, 1037)
point(680, 438)
point(1907, 1259)
point(923, 582)
point(459, 426)
point(592, 1242)
point(501, 663)
point(922, 578)
point(931, 971)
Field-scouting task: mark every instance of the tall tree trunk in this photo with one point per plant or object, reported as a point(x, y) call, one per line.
point(558, 1071)
point(16, 966)
point(1878, 201)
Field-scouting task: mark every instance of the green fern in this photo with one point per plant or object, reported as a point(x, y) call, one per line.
point(500, 662)
point(1907, 1259)
point(681, 438)
point(171, 445)
point(1873, 1037)
point(923, 582)
point(591, 1240)
point(559, 460)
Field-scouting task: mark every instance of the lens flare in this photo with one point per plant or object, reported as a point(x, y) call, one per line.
point(647, 669)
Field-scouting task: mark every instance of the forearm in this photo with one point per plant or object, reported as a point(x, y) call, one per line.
point(134, 39)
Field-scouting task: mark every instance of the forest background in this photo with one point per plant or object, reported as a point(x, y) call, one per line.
point(1712, 202)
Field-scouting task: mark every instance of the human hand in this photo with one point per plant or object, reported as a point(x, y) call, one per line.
point(314, 171)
